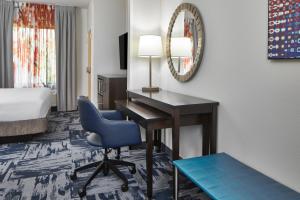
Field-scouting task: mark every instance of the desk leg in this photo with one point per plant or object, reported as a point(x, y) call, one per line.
point(157, 140)
point(175, 143)
point(213, 121)
point(149, 162)
point(205, 138)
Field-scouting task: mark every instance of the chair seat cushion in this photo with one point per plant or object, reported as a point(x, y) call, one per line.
point(94, 140)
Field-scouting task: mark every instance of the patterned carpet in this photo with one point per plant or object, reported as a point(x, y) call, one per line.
point(39, 169)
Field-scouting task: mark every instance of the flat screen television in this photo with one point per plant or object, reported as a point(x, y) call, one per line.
point(123, 50)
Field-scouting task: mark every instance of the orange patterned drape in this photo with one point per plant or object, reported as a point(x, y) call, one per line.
point(34, 46)
point(36, 16)
point(190, 32)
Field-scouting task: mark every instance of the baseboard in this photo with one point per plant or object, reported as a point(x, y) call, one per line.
point(167, 150)
point(164, 148)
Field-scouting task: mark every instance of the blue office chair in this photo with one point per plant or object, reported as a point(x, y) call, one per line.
point(109, 131)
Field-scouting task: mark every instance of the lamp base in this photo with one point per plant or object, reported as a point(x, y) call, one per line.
point(150, 89)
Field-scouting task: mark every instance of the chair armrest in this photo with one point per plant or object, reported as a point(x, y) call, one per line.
point(112, 115)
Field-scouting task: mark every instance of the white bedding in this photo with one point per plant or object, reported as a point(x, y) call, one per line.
point(24, 104)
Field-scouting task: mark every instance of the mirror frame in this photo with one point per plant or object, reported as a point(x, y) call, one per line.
point(200, 29)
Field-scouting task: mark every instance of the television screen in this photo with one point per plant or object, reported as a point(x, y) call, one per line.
point(123, 47)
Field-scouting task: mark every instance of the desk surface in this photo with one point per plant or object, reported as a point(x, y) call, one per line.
point(112, 75)
point(143, 111)
point(171, 98)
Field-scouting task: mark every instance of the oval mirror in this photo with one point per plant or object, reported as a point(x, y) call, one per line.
point(185, 42)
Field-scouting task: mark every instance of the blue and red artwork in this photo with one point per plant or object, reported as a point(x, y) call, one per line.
point(284, 29)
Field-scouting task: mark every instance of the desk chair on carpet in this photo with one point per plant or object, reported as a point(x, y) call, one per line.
point(109, 131)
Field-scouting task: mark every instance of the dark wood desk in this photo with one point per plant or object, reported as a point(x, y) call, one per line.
point(151, 120)
point(184, 111)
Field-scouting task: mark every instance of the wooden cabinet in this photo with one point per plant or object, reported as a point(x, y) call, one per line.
point(111, 87)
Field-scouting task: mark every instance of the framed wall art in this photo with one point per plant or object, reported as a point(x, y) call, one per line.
point(284, 29)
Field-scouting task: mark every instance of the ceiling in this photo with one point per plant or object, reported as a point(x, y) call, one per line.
point(77, 3)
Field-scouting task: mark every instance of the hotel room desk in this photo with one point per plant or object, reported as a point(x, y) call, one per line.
point(151, 119)
point(172, 110)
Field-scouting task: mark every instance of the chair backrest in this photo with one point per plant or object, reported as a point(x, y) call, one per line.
point(90, 117)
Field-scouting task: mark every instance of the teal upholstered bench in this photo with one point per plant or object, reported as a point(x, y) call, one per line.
point(222, 177)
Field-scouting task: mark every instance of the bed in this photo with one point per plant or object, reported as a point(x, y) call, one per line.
point(24, 111)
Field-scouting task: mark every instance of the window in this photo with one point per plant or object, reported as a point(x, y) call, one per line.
point(34, 46)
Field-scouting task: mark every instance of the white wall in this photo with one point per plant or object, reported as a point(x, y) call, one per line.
point(259, 113)
point(81, 50)
point(144, 19)
point(107, 20)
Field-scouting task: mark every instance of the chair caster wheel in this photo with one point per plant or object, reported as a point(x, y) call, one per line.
point(73, 176)
point(124, 187)
point(82, 193)
point(158, 150)
point(105, 172)
point(133, 170)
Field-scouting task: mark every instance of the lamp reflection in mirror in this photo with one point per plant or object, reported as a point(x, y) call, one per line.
point(150, 46)
point(181, 47)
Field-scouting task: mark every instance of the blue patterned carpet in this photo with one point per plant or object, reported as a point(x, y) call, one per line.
point(39, 169)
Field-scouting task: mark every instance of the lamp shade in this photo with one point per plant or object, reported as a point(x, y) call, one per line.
point(181, 47)
point(150, 45)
